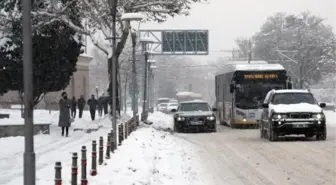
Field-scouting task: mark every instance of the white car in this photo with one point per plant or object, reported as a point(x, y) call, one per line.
point(171, 106)
point(162, 107)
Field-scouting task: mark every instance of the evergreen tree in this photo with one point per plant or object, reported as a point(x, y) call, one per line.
point(56, 48)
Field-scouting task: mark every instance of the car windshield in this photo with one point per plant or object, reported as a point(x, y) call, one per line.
point(251, 95)
point(173, 105)
point(194, 107)
point(293, 98)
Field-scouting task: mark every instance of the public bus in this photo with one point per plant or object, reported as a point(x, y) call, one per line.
point(241, 88)
point(187, 96)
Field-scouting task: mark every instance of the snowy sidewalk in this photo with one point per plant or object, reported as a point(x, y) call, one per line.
point(48, 148)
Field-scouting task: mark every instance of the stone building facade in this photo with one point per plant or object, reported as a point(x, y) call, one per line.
point(79, 85)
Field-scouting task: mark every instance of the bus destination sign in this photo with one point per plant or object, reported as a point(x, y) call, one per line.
point(260, 76)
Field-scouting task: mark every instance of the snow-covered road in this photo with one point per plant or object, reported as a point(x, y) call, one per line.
point(154, 155)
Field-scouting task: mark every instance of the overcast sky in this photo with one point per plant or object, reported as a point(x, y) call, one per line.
point(228, 19)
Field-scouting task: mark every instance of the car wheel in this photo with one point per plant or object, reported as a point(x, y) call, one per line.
point(322, 135)
point(272, 135)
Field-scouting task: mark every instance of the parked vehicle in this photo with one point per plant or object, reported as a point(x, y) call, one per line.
point(162, 107)
point(171, 106)
point(287, 112)
point(161, 100)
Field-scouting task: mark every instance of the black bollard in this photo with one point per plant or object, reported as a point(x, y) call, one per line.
point(94, 159)
point(119, 134)
point(108, 146)
point(101, 151)
point(84, 163)
point(74, 169)
point(112, 142)
point(58, 173)
point(126, 129)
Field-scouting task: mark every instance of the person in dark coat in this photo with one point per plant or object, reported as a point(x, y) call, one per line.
point(81, 105)
point(92, 102)
point(64, 115)
point(100, 106)
point(73, 107)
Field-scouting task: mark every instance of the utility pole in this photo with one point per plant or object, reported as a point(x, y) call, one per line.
point(249, 51)
point(134, 78)
point(144, 113)
point(113, 77)
point(29, 154)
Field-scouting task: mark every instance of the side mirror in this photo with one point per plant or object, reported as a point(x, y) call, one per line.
point(173, 110)
point(290, 85)
point(214, 109)
point(231, 88)
point(265, 105)
point(322, 105)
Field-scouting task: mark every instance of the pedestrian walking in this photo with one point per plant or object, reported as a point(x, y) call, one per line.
point(64, 120)
point(100, 106)
point(81, 104)
point(105, 104)
point(73, 107)
point(92, 102)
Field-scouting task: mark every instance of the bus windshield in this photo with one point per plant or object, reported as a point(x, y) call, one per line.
point(251, 95)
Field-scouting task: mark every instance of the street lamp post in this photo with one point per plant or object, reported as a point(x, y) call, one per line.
point(150, 84)
point(29, 154)
point(134, 17)
point(146, 41)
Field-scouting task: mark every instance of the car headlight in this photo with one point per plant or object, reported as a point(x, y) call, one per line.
point(318, 116)
point(279, 116)
point(211, 118)
point(180, 118)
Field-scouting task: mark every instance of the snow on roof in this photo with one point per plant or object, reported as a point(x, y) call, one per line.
point(132, 16)
point(253, 66)
point(184, 93)
point(291, 91)
point(194, 101)
point(163, 98)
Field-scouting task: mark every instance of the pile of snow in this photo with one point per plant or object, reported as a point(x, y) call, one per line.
point(161, 121)
point(151, 157)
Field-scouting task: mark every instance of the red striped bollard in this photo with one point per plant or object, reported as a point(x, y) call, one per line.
point(58, 173)
point(108, 146)
point(74, 169)
point(83, 164)
point(112, 142)
point(94, 159)
point(101, 151)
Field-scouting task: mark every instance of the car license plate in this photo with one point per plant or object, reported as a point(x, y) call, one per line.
point(300, 126)
point(196, 123)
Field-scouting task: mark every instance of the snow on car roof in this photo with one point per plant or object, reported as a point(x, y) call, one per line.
point(291, 91)
point(194, 101)
point(253, 66)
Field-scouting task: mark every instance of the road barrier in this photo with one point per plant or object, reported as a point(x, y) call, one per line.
point(124, 130)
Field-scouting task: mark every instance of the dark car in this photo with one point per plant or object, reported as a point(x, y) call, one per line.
point(288, 112)
point(194, 115)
